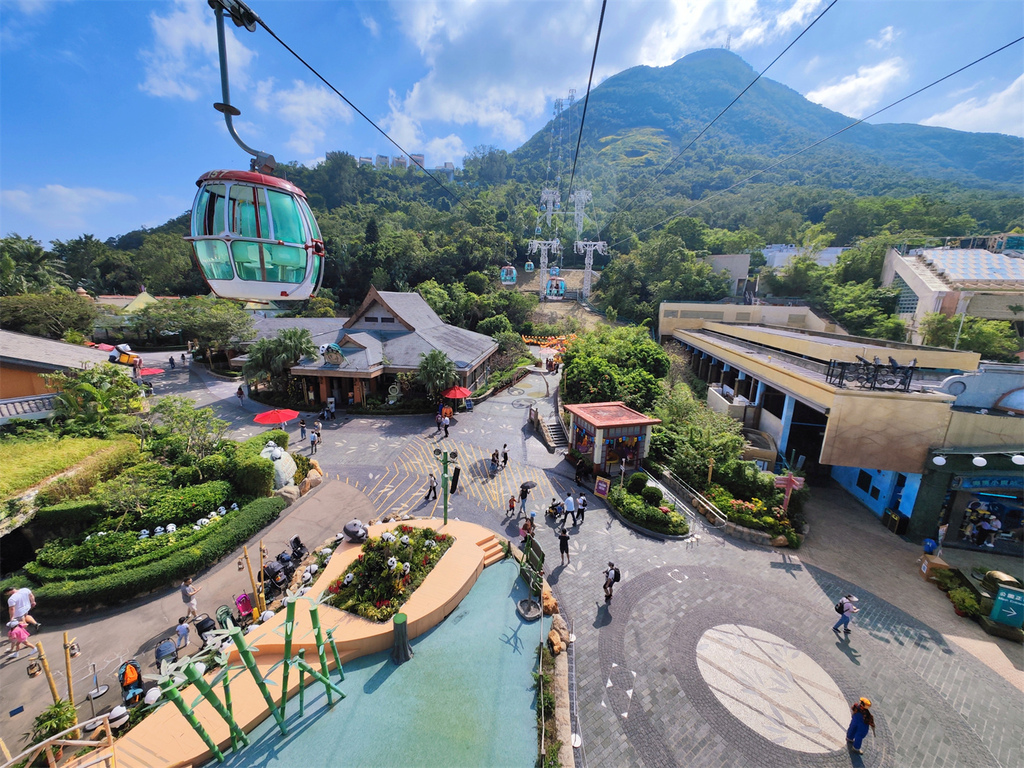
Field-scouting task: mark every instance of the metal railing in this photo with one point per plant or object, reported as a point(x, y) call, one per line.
point(699, 502)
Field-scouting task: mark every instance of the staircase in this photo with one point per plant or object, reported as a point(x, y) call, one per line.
point(493, 551)
point(556, 430)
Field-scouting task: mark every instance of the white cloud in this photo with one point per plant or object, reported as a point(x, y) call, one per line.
point(855, 94)
point(183, 62)
point(62, 209)
point(309, 110)
point(1000, 112)
point(447, 149)
point(886, 37)
point(371, 24)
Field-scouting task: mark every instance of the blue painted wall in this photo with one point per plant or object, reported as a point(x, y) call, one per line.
point(882, 480)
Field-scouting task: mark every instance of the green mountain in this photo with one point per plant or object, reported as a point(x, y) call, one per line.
point(641, 118)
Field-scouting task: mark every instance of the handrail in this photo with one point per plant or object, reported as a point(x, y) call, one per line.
point(702, 504)
point(58, 740)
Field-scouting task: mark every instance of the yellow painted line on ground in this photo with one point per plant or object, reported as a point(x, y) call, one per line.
point(386, 473)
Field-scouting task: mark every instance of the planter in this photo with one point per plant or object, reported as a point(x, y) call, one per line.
point(958, 612)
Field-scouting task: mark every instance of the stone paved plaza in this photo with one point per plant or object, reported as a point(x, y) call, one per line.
point(713, 652)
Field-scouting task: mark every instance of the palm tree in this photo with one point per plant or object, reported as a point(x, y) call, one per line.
point(436, 372)
point(270, 359)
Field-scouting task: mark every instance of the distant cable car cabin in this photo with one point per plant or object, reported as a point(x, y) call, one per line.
point(528, 267)
point(508, 275)
point(555, 271)
point(536, 231)
point(556, 289)
point(255, 238)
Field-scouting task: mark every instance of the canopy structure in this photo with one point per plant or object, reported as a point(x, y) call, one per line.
point(276, 416)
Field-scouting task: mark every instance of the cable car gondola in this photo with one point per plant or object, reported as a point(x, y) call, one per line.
point(528, 267)
point(555, 271)
point(556, 289)
point(255, 238)
point(508, 275)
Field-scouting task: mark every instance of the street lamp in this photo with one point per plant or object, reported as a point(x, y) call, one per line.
point(443, 457)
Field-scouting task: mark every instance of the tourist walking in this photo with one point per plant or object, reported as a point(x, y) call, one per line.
point(494, 461)
point(182, 632)
point(611, 575)
point(437, 420)
point(240, 394)
point(19, 603)
point(511, 506)
point(170, 361)
point(317, 426)
point(17, 634)
point(314, 438)
point(446, 422)
point(524, 492)
point(188, 597)
point(331, 408)
point(529, 526)
point(302, 429)
point(846, 608)
point(581, 506)
point(563, 546)
point(579, 472)
point(431, 488)
point(861, 721)
point(504, 455)
point(570, 508)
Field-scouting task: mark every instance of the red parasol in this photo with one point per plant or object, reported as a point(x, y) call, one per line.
point(105, 347)
point(457, 393)
point(150, 371)
point(276, 416)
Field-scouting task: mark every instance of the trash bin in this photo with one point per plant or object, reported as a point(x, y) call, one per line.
point(469, 404)
point(930, 545)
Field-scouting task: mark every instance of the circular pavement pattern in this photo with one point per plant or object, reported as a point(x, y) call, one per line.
point(773, 688)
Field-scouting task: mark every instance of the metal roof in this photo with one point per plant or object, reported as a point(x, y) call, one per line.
point(46, 353)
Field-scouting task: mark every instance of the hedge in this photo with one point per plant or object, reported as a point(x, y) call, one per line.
point(78, 514)
point(254, 475)
point(124, 585)
point(183, 506)
point(634, 509)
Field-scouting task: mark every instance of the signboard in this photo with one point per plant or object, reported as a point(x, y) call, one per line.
point(601, 487)
point(1008, 607)
point(971, 483)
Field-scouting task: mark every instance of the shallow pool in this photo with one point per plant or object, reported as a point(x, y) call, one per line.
point(466, 698)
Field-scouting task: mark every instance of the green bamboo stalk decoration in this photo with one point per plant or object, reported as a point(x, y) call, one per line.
point(204, 688)
point(314, 616)
point(302, 681)
point(168, 689)
point(250, 663)
point(317, 676)
point(227, 703)
point(337, 656)
point(289, 628)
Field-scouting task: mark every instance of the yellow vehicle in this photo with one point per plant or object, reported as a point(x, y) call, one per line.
point(123, 355)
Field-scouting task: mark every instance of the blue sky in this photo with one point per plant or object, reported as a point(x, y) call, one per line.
point(105, 106)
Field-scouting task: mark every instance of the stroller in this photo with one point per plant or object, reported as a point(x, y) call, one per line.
point(243, 604)
point(299, 551)
point(166, 651)
point(204, 624)
point(274, 577)
point(286, 561)
point(129, 676)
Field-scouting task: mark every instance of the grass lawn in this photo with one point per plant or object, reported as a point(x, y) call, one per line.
point(25, 463)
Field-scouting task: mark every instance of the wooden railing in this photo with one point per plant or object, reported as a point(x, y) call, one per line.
point(61, 740)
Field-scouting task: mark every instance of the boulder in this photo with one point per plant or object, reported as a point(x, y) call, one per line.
point(779, 541)
point(313, 479)
point(548, 602)
point(290, 493)
point(555, 642)
point(558, 625)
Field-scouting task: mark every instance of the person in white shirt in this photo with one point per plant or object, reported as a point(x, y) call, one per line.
point(570, 508)
point(848, 609)
point(19, 603)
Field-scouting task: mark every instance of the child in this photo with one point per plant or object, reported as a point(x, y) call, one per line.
point(182, 632)
point(511, 505)
point(18, 635)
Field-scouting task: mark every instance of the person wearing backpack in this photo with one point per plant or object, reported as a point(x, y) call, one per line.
point(845, 608)
point(611, 575)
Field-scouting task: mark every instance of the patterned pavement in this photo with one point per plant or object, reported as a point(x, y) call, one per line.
point(712, 653)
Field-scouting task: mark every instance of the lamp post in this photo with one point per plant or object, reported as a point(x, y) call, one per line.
point(443, 457)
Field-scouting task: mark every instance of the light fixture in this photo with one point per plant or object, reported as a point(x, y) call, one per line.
point(939, 461)
point(1017, 458)
point(979, 461)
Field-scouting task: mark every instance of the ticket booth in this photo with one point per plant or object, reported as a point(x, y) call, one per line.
point(612, 435)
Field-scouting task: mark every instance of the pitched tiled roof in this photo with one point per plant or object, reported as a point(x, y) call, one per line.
point(46, 353)
point(324, 330)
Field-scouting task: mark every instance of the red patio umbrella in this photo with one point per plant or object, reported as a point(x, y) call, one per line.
point(457, 393)
point(150, 371)
point(276, 416)
point(105, 347)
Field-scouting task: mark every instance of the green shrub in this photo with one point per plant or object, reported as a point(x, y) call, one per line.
point(651, 495)
point(254, 476)
point(965, 601)
point(183, 506)
point(638, 512)
point(79, 514)
point(101, 466)
point(98, 549)
point(117, 587)
point(302, 466)
point(636, 482)
point(186, 476)
point(215, 467)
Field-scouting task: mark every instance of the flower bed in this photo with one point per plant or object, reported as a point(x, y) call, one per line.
point(635, 508)
point(754, 514)
point(388, 571)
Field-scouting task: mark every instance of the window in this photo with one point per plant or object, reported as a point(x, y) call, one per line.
point(248, 212)
point(864, 481)
point(387, 319)
point(369, 319)
point(671, 313)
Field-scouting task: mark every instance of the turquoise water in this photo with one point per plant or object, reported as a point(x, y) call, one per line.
point(466, 698)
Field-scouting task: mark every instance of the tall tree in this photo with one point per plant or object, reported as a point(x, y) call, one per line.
point(214, 323)
point(50, 314)
point(436, 372)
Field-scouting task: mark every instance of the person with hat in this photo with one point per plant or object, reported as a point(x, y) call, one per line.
point(529, 526)
point(847, 608)
point(860, 722)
